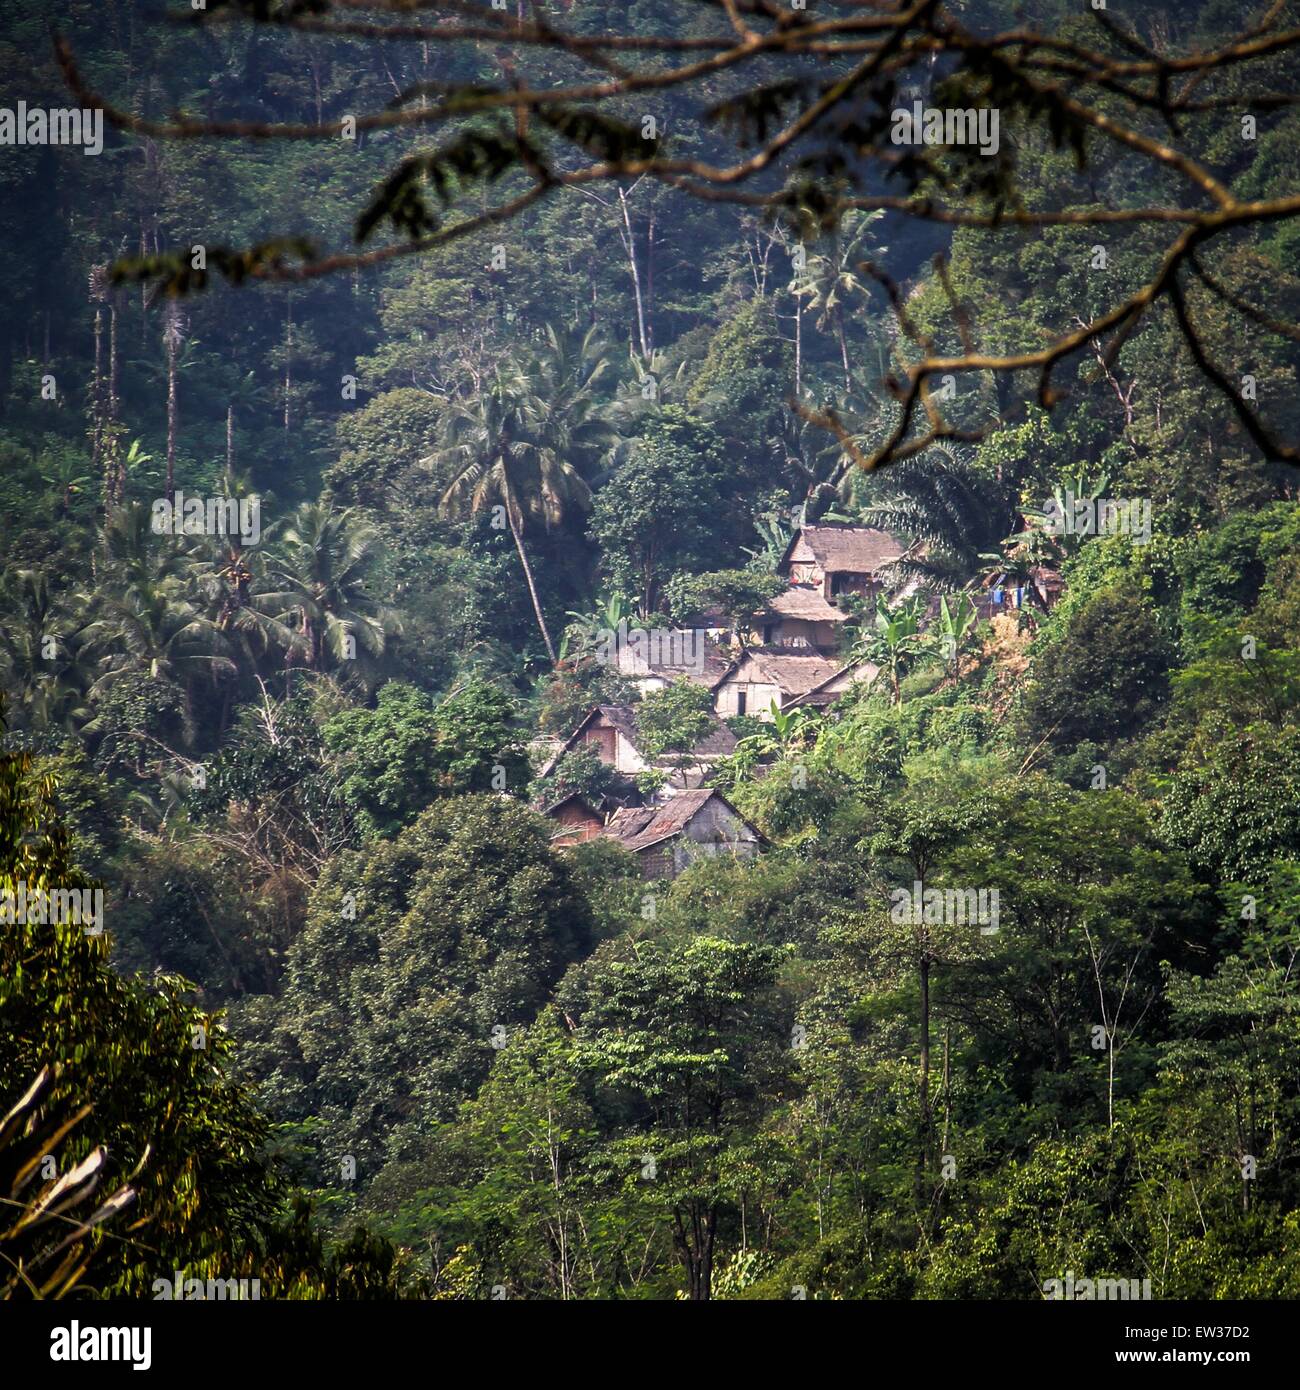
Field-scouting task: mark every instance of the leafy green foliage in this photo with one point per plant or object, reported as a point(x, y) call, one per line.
point(416, 947)
point(397, 758)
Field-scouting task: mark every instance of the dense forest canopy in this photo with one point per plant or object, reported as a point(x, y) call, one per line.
point(925, 926)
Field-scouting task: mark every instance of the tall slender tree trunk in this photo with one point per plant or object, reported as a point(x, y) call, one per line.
point(629, 245)
point(528, 575)
point(114, 449)
point(947, 1085)
point(97, 399)
point(650, 282)
point(798, 346)
point(1110, 1082)
point(171, 414)
point(230, 443)
point(288, 361)
point(923, 1152)
point(844, 352)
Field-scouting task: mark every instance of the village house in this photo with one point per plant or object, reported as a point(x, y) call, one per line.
point(799, 617)
point(837, 560)
point(762, 675)
point(655, 659)
point(830, 690)
point(578, 820)
point(666, 839)
point(611, 730)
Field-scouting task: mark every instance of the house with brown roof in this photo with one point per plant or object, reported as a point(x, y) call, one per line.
point(654, 658)
point(764, 674)
point(839, 559)
point(577, 819)
point(666, 839)
point(830, 690)
point(799, 617)
point(611, 730)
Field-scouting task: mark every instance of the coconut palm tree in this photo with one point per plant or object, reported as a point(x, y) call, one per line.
point(157, 630)
point(134, 555)
point(233, 585)
point(519, 447)
point(831, 278)
point(42, 663)
point(245, 392)
point(316, 576)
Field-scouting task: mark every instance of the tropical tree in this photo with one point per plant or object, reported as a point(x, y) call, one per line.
point(147, 1073)
point(734, 595)
point(156, 630)
point(831, 278)
point(42, 663)
point(673, 720)
point(895, 640)
point(692, 1038)
point(392, 761)
point(317, 572)
point(517, 447)
point(663, 508)
point(949, 514)
point(133, 554)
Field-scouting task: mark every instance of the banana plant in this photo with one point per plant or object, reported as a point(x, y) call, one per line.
point(954, 625)
point(790, 731)
point(584, 629)
point(793, 727)
point(775, 536)
point(1052, 522)
point(895, 641)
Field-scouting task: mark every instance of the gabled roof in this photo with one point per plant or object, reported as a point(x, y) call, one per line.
point(640, 827)
point(582, 802)
point(805, 603)
point(826, 693)
point(714, 657)
point(851, 549)
point(717, 742)
point(792, 672)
